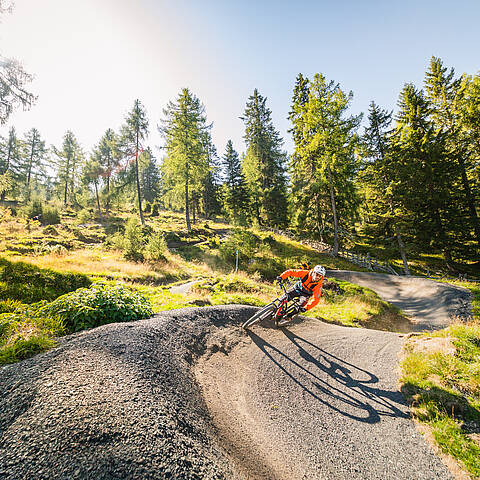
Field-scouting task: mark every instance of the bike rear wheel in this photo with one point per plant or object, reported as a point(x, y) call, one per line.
point(263, 314)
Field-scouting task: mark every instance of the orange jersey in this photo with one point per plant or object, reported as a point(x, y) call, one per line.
point(315, 288)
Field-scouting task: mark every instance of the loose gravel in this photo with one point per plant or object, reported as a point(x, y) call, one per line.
point(116, 402)
point(188, 395)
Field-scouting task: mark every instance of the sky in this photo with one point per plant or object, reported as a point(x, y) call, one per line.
point(92, 58)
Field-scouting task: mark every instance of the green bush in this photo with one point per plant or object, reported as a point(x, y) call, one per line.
point(28, 283)
point(133, 241)
point(99, 304)
point(155, 210)
point(50, 216)
point(156, 248)
point(83, 216)
point(244, 241)
point(33, 209)
point(148, 207)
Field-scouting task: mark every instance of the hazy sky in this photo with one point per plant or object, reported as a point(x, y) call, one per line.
point(92, 58)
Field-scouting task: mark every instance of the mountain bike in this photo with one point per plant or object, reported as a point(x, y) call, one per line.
point(277, 310)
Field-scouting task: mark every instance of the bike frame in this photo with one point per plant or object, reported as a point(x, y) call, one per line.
point(282, 305)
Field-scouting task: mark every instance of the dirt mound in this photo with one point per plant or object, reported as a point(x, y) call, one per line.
point(117, 402)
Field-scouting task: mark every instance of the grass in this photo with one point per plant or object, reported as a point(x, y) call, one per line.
point(89, 253)
point(443, 387)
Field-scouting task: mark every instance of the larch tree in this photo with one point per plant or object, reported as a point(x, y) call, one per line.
point(10, 162)
point(35, 152)
point(325, 142)
point(69, 163)
point(133, 132)
point(186, 165)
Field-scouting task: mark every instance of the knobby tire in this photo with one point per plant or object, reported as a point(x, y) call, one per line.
point(265, 312)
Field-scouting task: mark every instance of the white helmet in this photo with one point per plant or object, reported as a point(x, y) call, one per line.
point(319, 270)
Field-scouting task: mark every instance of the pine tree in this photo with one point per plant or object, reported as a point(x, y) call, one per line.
point(35, 152)
point(379, 174)
point(264, 164)
point(186, 165)
point(70, 159)
point(324, 158)
point(236, 196)
point(133, 133)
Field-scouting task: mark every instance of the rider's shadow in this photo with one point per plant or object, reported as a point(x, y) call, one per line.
point(339, 383)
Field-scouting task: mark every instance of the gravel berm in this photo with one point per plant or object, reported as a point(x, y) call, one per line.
point(116, 402)
point(188, 395)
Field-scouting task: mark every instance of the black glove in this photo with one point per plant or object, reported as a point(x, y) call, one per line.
point(302, 309)
point(279, 279)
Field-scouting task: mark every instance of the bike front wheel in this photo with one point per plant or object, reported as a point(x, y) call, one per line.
point(263, 314)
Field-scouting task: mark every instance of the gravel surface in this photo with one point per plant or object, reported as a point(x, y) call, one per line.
point(188, 395)
point(316, 401)
point(431, 305)
point(116, 402)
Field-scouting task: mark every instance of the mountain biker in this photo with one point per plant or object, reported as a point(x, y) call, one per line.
point(308, 289)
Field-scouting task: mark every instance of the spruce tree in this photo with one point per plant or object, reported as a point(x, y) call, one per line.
point(264, 166)
point(150, 176)
point(379, 175)
point(236, 200)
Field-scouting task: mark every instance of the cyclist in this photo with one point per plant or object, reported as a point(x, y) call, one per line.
point(308, 289)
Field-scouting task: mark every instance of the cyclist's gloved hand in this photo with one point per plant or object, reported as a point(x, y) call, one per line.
point(279, 279)
point(302, 309)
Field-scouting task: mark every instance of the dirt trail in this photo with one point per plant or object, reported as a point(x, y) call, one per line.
point(315, 401)
point(430, 305)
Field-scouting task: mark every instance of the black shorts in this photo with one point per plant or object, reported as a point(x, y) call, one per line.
point(302, 296)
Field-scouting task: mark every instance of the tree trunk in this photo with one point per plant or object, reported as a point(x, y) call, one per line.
point(98, 200)
point(334, 210)
point(67, 171)
point(29, 174)
point(194, 219)
point(401, 247)
point(138, 183)
point(187, 213)
point(107, 203)
point(470, 200)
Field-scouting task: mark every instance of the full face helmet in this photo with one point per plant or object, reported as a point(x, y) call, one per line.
point(318, 271)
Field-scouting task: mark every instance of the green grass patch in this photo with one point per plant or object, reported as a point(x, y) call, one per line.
point(27, 283)
point(443, 387)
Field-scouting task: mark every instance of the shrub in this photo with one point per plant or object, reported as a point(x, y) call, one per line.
point(83, 216)
point(148, 207)
point(133, 241)
point(33, 209)
point(155, 210)
point(244, 241)
point(28, 283)
point(50, 216)
point(156, 248)
point(99, 304)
